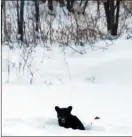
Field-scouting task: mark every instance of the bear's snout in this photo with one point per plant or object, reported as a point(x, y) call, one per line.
point(63, 120)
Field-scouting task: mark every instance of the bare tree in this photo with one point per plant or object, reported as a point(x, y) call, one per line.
point(37, 14)
point(85, 5)
point(112, 8)
point(50, 4)
point(70, 5)
point(20, 18)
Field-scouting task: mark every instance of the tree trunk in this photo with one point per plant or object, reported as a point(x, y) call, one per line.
point(70, 5)
point(72, 2)
point(98, 7)
point(21, 20)
point(111, 17)
point(62, 3)
point(18, 14)
point(50, 5)
point(107, 13)
point(116, 21)
point(37, 14)
point(86, 3)
point(81, 3)
point(112, 11)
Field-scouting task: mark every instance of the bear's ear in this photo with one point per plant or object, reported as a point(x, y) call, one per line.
point(57, 108)
point(70, 108)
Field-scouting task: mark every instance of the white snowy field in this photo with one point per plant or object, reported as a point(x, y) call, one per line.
point(98, 83)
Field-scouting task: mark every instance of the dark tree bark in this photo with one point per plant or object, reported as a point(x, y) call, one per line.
point(81, 3)
point(2, 2)
point(43, 1)
point(70, 5)
point(112, 15)
point(85, 5)
point(20, 18)
point(37, 17)
point(115, 27)
point(62, 3)
point(50, 4)
point(98, 7)
point(17, 7)
point(107, 13)
point(3, 16)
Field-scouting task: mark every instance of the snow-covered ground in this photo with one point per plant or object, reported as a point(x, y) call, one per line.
point(98, 83)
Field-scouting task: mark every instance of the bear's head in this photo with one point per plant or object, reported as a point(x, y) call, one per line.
point(63, 113)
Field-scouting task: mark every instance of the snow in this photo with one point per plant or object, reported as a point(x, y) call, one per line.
point(97, 83)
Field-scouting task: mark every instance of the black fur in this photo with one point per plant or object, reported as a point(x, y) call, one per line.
point(67, 120)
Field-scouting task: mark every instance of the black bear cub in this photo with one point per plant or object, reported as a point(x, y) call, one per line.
point(67, 120)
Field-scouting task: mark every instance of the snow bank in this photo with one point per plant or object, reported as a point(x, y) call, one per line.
point(97, 83)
